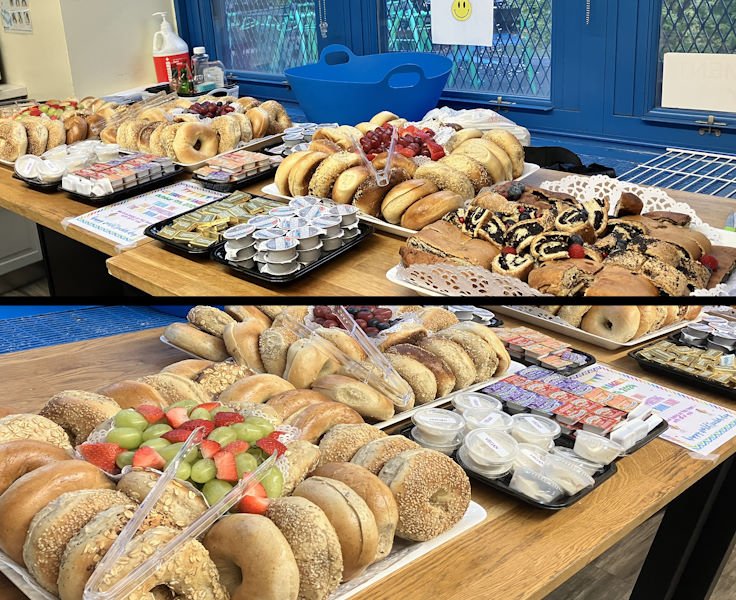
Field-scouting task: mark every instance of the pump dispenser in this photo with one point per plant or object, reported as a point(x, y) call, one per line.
point(167, 49)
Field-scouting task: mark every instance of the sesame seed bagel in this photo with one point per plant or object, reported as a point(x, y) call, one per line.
point(378, 452)
point(23, 456)
point(209, 319)
point(56, 524)
point(89, 544)
point(504, 360)
point(480, 352)
point(314, 543)
point(341, 442)
point(431, 491)
point(475, 171)
point(217, 378)
point(291, 401)
point(190, 574)
point(78, 412)
point(329, 170)
point(179, 503)
point(455, 358)
point(26, 426)
point(446, 178)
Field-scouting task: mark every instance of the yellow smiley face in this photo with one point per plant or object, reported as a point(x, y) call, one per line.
point(461, 9)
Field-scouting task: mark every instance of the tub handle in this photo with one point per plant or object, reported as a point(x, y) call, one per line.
point(336, 49)
point(408, 68)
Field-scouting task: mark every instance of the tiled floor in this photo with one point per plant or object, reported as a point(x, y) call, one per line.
point(37, 289)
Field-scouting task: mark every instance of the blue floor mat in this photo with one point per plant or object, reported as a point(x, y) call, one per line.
point(36, 331)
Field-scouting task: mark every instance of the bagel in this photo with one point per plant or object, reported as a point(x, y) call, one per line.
point(174, 388)
point(359, 396)
point(23, 456)
point(246, 130)
point(480, 150)
point(647, 319)
point(56, 524)
point(37, 134)
point(194, 143)
point(228, 132)
point(375, 494)
point(313, 542)
point(189, 338)
point(76, 129)
point(475, 171)
point(347, 184)
point(398, 161)
point(305, 362)
point(155, 142)
point(291, 401)
point(378, 452)
point(383, 117)
point(216, 379)
point(482, 331)
point(273, 346)
point(301, 457)
point(301, 174)
point(419, 377)
point(617, 323)
point(460, 136)
point(281, 176)
point(481, 352)
point(127, 135)
point(431, 490)
point(315, 420)
point(241, 341)
point(13, 140)
point(342, 441)
point(509, 143)
point(346, 343)
point(325, 146)
point(29, 494)
point(131, 394)
point(33, 427)
point(154, 114)
point(440, 372)
point(329, 170)
point(502, 157)
point(353, 521)
point(273, 576)
point(277, 117)
point(168, 136)
point(209, 319)
point(144, 136)
point(78, 413)
point(248, 102)
point(447, 178)
point(189, 367)
point(398, 200)
point(256, 389)
point(259, 121)
point(189, 573)
point(457, 359)
point(57, 133)
point(369, 196)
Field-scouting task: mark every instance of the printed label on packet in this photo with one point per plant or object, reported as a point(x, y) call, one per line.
point(474, 402)
point(438, 420)
point(538, 425)
point(488, 440)
point(491, 418)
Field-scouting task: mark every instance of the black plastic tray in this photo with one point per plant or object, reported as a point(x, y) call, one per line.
point(126, 193)
point(569, 441)
point(40, 186)
point(502, 484)
point(230, 187)
point(218, 255)
point(564, 371)
point(676, 373)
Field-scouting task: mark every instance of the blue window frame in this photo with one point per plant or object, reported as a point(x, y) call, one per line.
point(555, 67)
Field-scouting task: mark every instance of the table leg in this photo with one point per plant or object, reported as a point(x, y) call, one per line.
point(694, 540)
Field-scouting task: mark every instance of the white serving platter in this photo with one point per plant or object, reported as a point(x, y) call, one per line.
point(252, 146)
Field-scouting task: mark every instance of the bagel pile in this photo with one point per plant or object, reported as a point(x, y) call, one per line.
point(623, 323)
point(420, 191)
point(565, 247)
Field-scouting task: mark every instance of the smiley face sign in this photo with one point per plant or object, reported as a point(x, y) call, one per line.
point(462, 22)
point(461, 9)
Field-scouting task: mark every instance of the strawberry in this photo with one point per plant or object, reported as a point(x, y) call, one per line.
point(208, 405)
point(101, 455)
point(709, 261)
point(408, 152)
point(176, 416)
point(270, 445)
point(275, 435)
point(147, 457)
point(223, 419)
point(209, 448)
point(576, 251)
point(370, 156)
point(508, 250)
point(255, 500)
point(435, 150)
point(181, 435)
point(225, 463)
point(236, 447)
point(152, 413)
point(192, 424)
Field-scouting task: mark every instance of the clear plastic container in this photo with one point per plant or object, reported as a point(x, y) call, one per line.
point(590, 467)
point(446, 448)
point(596, 448)
point(486, 418)
point(487, 472)
point(438, 426)
point(566, 474)
point(533, 429)
point(530, 457)
point(535, 486)
point(629, 433)
point(490, 452)
point(470, 400)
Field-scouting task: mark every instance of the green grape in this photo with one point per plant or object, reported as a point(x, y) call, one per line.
point(184, 471)
point(156, 443)
point(155, 431)
point(245, 463)
point(215, 489)
point(187, 403)
point(125, 437)
point(169, 452)
point(223, 436)
point(200, 413)
point(273, 481)
point(203, 470)
point(264, 425)
point(257, 453)
point(124, 459)
point(219, 409)
point(247, 432)
point(131, 418)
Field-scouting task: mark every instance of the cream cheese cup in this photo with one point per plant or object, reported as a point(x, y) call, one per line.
point(463, 313)
point(58, 152)
point(530, 457)
point(279, 269)
point(471, 400)
point(438, 426)
point(28, 166)
point(261, 235)
point(535, 486)
point(533, 429)
point(591, 468)
point(282, 212)
point(292, 223)
point(330, 223)
point(240, 236)
point(280, 249)
point(447, 448)
point(566, 474)
point(489, 452)
point(334, 242)
point(299, 202)
point(239, 254)
point(311, 212)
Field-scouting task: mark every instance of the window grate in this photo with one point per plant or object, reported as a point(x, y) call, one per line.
point(519, 63)
point(266, 36)
point(688, 171)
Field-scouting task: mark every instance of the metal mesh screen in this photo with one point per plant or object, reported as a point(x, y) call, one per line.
point(266, 36)
point(698, 26)
point(519, 62)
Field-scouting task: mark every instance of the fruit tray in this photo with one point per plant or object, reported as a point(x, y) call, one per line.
point(48, 187)
point(218, 255)
point(502, 484)
point(674, 372)
point(231, 186)
point(123, 194)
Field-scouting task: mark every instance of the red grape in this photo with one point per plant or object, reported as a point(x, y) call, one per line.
point(371, 330)
point(362, 323)
point(366, 315)
point(330, 323)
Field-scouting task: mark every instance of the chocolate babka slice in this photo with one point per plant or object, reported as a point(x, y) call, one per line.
point(553, 245)
point(575, 220)
point(520, 236)
point(494, 232)
point(597, 215)
point(513, 265)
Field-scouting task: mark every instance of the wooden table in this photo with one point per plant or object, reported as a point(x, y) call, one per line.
point(361, 271)
point(518, 552)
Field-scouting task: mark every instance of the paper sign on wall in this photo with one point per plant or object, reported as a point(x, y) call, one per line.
point(462, 22)
point(699, 81)
point(16, 16)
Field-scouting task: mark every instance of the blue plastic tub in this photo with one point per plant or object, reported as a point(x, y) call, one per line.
point(348, 89)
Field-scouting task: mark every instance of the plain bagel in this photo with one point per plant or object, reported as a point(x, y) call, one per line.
point(377, 453)
point(255, 389)
point(23, 456)
point(291, 401)
point(189, 338)
point(315, 420)
point(359, 396)
point(617, 323)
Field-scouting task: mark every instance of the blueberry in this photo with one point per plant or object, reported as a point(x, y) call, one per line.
point(353, 310)
point(524, 216)
point(584, 214)
point(576, 239)
point(382, 326)
point(515, 191)
point(219, 104)
point(374, 323)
